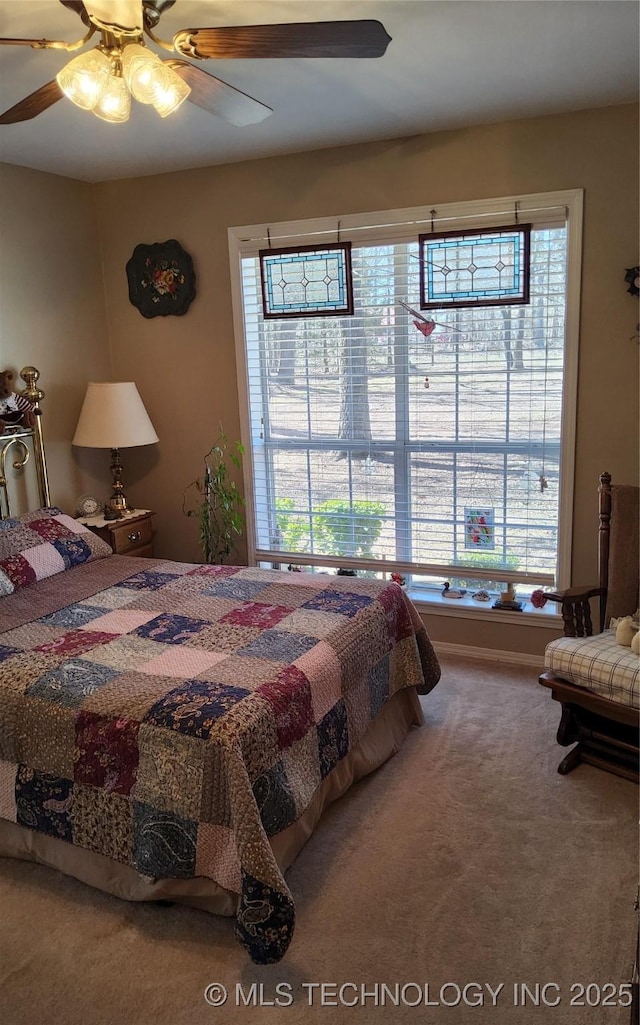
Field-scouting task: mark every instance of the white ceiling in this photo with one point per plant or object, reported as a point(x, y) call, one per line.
point(449, 64)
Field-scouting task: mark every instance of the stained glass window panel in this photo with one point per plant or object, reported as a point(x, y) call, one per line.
point(475, 268)
point(307, 281)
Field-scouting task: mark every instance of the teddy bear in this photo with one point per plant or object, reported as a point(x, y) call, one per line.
point(628, 632)
point(15, 410)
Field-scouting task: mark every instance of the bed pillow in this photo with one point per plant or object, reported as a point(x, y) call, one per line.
point(42, 543)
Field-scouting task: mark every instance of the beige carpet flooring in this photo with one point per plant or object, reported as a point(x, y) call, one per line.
point(465, 859)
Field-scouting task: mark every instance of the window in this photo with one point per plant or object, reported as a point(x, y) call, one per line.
point(380, 441)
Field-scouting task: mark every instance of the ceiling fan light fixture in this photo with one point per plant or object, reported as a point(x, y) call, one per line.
point(171, 92)
point(84, 79)
point(115, 103)
point(104, 79)
point(143, 72)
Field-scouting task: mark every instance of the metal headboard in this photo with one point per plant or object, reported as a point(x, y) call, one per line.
point(19, 437)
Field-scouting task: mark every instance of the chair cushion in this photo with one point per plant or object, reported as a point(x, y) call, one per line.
point(598, 664)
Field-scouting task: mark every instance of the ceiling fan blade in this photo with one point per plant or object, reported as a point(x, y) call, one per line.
point(218, 97)
point(77, 6)
point(33, 104)
point(304, 39)
point(36, 43)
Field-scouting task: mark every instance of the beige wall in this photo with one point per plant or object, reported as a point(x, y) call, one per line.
point(52, 310)
point(185, 366)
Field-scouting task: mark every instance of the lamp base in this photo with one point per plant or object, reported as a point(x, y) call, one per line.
point(117, 506)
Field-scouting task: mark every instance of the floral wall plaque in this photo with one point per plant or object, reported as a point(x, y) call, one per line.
point(161, 278)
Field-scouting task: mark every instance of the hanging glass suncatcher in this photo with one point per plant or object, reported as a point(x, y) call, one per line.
point(307, 281)
point(488, 267)
point(479, 529)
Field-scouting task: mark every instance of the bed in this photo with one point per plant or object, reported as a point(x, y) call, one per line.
point(172, 731)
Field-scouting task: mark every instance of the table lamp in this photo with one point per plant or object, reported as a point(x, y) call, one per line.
point(113, 416)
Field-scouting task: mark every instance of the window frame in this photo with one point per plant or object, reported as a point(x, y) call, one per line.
point(405, 224)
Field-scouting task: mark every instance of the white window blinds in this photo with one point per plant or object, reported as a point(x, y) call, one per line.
point(376, 447)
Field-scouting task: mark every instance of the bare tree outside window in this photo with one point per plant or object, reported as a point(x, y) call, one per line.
point(355, 419)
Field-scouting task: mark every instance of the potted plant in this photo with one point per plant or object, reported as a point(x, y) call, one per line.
point(216, 501)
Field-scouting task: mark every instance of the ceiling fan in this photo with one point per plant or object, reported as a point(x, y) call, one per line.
point(104, 78)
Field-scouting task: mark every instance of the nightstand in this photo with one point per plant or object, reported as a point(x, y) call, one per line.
point(131, 535)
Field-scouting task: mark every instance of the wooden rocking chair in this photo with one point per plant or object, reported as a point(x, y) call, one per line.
point(596, 681)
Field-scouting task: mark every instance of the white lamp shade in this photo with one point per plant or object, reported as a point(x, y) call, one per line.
point(113, 416)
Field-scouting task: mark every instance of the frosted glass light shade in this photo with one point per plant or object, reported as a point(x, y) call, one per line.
point(113, 416)
point(171, 92)
point(84, 79)
point(115, 103)
point(143, 72)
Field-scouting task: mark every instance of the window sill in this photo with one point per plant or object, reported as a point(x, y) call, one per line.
point(433, 603)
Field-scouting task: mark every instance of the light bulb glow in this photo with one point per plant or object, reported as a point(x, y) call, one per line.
point(143, 72)
point(105, 83)
point(84, 79)
point(171, 93)
point(115, 103)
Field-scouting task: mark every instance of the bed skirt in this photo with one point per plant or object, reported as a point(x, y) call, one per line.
point(382, 739)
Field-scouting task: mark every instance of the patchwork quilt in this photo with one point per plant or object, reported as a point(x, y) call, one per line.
point(178, 718)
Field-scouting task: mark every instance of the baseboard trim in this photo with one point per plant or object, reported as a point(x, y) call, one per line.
point(490, 654)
